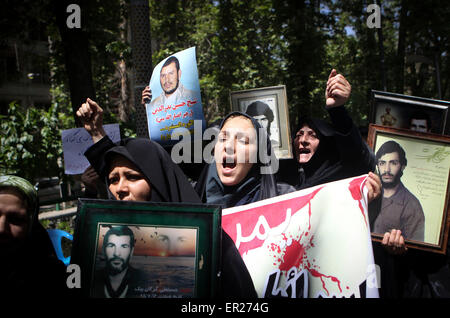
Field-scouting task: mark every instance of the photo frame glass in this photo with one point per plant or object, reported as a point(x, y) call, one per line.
point(409, 112)
point(269, 107)
point(147, 250)
point(415, 189)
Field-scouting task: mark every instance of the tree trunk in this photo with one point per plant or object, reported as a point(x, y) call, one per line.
point(77, 57)
point(142, 58)
point(400, 73)
point(382, 59)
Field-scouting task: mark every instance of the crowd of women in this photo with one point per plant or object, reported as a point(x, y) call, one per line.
point(139, 169)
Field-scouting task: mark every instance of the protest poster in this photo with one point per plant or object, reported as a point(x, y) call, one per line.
point(176, 105)
point(76, 141)
point(310, 243)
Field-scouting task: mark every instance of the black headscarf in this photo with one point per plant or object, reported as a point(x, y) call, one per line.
point(258, 184)
point(341, 152)
point(29, 266)
point(324, 164)
point(168, 182)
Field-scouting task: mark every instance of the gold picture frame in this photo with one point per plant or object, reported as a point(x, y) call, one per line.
point(425, 176)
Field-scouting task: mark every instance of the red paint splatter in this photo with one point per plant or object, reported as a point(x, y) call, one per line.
point(293, 256)
point(356, 193)
point(275, 248)
point(321, 276)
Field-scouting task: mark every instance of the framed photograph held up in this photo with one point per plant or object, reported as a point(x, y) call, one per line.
point(128, 249)
point(269, 106)
point(414, 170)
point(409, 112)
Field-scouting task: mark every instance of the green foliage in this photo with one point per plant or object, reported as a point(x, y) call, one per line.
point(240, 45)
point(31, 141)
point(60, 225)
point(248, 44)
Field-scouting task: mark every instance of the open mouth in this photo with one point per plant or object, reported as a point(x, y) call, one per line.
point(228, 163)
point(304, 151)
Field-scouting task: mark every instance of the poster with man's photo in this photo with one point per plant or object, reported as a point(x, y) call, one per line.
point(176, 105)
point(133, 249)
point(268, 105)
point(414, 171)
point(135, 261)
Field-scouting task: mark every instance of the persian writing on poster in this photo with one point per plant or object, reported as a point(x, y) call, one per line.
point(176, 100)
point(76, 141)
point(310, 243)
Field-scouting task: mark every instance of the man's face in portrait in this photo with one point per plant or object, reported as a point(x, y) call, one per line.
point(419, 125)
point(390, 169)
point(118, 252)
point(169, 78)
point(177, 242)
point(264, 122)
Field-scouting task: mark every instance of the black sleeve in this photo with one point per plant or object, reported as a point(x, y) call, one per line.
point(200, 185)
point(236, 280)
point(95, 155)
point(353, 149)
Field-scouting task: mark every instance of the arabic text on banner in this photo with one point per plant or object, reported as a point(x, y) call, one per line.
point(310, 243)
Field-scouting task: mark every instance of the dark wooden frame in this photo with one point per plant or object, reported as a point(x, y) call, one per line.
point(405, 105)
point(206, 219)
point(406, 134)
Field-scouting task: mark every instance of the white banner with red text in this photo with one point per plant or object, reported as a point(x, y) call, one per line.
point(310, 243)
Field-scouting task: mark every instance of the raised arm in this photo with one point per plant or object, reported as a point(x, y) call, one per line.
point(350, 144)
point(337, 93)
point(91, 116)
point(338, 90)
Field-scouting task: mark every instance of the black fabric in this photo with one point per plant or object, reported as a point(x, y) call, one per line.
point(236, 280)
point(254, 187)
point(32, 269)
point(169, 184)
point(132, 280)
point(424, 274)
point(416, 274)
point(29, 268)
point(341, 153)
point(390, 271)
point(245, 192)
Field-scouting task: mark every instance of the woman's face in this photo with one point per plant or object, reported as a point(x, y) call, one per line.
point(14, 218)
point(305, 143)
point(126, 182)
point(235, 150)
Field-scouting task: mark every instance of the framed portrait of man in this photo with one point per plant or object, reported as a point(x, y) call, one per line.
point(268, 105)
point(147, 250)
point(409, 112)
point(414, 171)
